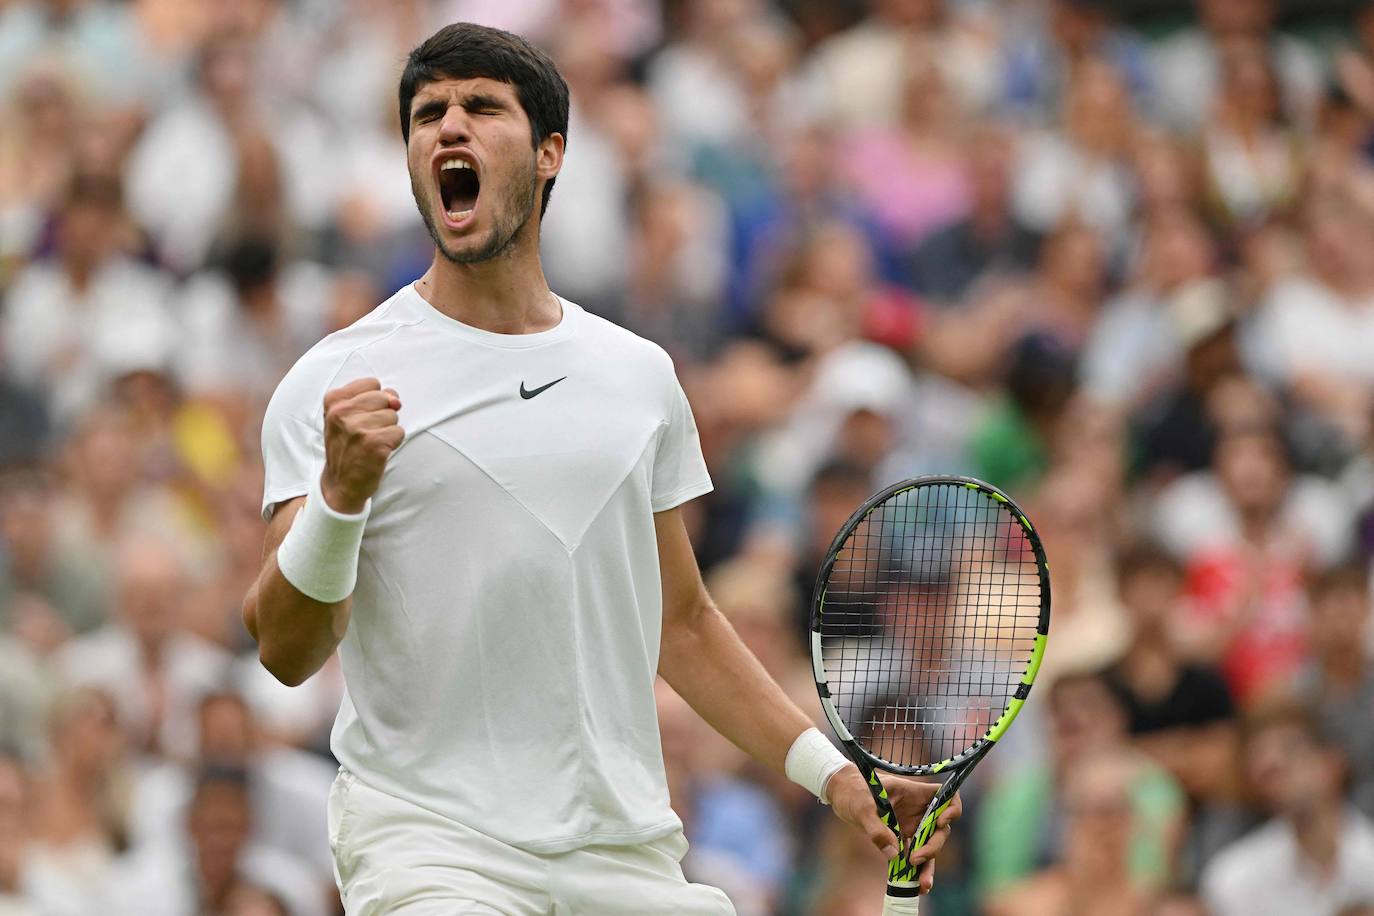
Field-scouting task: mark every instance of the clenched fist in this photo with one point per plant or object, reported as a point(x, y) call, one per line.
point(361, 430)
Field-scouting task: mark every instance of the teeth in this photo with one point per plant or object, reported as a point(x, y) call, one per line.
point(459, 217)
point(454, 164)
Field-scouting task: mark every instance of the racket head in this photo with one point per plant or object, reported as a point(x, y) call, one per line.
point(928, 623)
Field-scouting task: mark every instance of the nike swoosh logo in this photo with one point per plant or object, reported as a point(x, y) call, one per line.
point(528, 393)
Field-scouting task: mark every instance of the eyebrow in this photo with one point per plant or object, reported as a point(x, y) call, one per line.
point(434, 107)
point(475, 102)
point(483, 100)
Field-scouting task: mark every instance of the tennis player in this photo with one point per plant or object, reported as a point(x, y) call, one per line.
point(473, 494)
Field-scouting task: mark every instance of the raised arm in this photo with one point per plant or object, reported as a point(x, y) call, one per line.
point(298, 609)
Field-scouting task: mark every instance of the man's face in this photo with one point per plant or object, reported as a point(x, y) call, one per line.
point(220, 822)
point(473, 170)
point(1288, 772)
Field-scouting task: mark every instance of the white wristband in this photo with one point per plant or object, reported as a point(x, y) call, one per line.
point(812, 760)
point(319, 555)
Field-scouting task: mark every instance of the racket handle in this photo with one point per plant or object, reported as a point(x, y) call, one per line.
point(901, 906)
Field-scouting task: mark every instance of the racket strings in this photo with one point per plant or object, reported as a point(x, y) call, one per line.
point(928, 622)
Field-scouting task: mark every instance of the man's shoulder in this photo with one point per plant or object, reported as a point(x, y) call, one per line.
point(377, 325)
point(621, 342)
point(310, 377)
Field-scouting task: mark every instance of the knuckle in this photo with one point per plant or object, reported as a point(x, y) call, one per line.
point(340, 413)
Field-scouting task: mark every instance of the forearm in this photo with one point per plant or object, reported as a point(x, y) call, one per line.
point(296, 634)
point(710, 667)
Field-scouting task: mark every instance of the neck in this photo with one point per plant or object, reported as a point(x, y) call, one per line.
point(1254, 524)
point(506, 294)
point(1150, 651)
point(1090, 881)
point(150, 650)
point(989, 220)
point(1319, 832)
point(79, 272)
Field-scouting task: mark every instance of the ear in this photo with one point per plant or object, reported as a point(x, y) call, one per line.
point(548, 157)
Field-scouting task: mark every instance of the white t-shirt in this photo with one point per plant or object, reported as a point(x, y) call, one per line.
point(500, 661)
point(1308, 327)
point(1266, 873)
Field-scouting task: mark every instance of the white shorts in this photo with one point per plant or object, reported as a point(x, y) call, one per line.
point(391, 856)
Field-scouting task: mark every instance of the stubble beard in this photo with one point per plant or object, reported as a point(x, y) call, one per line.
point(510, 220)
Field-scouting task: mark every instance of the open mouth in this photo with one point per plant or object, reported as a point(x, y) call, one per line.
point(458, 188)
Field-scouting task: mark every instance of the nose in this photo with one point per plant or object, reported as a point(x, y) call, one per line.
point(455, 128)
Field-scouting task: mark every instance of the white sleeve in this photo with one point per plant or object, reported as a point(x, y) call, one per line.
point(679, 472)
point(293, 425)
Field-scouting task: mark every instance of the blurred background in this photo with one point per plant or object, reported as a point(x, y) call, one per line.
point(1115, 257)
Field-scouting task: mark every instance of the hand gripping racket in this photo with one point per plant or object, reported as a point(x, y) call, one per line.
point(928, 627)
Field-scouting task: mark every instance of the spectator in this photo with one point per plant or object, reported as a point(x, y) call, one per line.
point(858, 73)
point(804, 192)
point(1080, 170)
point(1248, 532)
point(1317, 325)
point(674, 289)
point(1176, 429)
point(1338, 681)
point(1029, 817)
point(1134, 347)
point(80, 806)
point(156, 670)
point(1251, 158)
point(216, 865)
point(1011, 442)
point(1066, 295)
point(287, 787)
point(36, 156)
point(34, 562)
point(1040, 62)
point(711, 797)
point(1095, 875)
point(252, 321)
point(912, 176)
point(74, 322)
point(1180, 712)
point(1317, 854)
point(93, 39)
point(1189, 64)
point(989, 241)
point(205, 140)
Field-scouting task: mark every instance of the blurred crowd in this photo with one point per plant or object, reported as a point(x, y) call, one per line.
point(1120, 265)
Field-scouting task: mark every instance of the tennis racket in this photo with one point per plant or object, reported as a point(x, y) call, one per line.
point(928, 627)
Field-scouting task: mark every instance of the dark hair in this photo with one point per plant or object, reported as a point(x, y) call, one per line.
point(464, 50)
point(251, 263)
point(1288, 713)
point(1147, 556)
point(1079, 677)
point(213, 775)
point(841, 473)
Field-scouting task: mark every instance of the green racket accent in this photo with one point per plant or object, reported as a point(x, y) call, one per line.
point(1037, 656)
point(927, 827)
point(900, 868)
